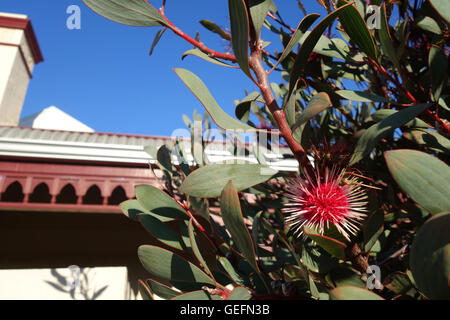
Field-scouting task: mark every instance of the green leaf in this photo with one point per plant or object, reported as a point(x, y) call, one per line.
point(334, 48)
point(373, 228)
point(309, 44)
point(302, 27)
point(195, 248)
point(429, 24)
point(332, 246)
point(258, 12)
point(211, 26)
point(156, 40)
point(386, 39)
point(423, 177)
point(356, 28)
point(430, 139)
point(144, 291)
point(231, 272)
point(160, 231)
point(399, 283)
point(375, 133)
point(165, 265)
point(382, 114)
point(438, 68)
point(161, 290)
point(361, 96)
point(442, 8)
point(240, 293)
point(209, 181)
point(240, 33)
point(132, 209)
point(159, 203)
point(198, 295)
point(316, 105)
point(353, 293)
point(164, 158)
point(430, 257)
point(344, 276)
point(231, 212)
point(198, 88)
point(289, 108)
point(196, 52)
point(137, 13)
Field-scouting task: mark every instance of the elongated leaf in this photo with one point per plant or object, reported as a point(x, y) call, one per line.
point(211, 26)
point(289, 108)
point(438, 68)
point(361, 96)
point(234, 222)
point(160, 231)
point(316, 105)
point(204, 56)
point(430, 257)
point(239, 23)
point(209, 181)
point(309, 44)
point(198, 295)
point(165, 265)
point(442, 8)
point(132, 209)
point(373, 228)
point(382, 114)
point(240, 293)
point(161, 290)
point(356, 28)
point(332, 246)
point(429, 138)
point(229, 269)
point(335, 48)
point(423, 177)
point(258, 12)
point(145, 292)
point(373, 135)
point(137, 13)
point(159, 203)
point(386, 39)
point(156, 40)
point(429, 24)
point(304, 25)
point(195, 247)
point(353, 293)
point(198, 88)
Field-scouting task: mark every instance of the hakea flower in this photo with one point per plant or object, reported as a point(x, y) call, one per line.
point(320, 201)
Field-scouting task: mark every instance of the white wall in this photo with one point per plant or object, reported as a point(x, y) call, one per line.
point(40, 284)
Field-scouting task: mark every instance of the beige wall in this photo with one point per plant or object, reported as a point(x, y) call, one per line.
point(16, 65)
point(103, 283)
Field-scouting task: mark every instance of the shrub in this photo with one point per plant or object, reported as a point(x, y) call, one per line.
point(367, 214)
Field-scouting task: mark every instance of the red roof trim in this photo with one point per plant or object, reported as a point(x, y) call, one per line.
point(25, 25)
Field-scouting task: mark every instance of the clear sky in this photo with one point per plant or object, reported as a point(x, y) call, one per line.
point(103, 76)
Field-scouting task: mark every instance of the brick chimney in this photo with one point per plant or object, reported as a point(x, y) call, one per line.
point(19, 53)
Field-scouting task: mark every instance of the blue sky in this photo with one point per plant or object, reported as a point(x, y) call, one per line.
point(103, 76)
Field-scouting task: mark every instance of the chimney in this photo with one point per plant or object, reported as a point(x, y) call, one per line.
point(19, 53)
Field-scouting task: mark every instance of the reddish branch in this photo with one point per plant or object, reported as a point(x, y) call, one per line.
point(263, 84)
point(408, 94)
point(280, 22)
point(200, 45)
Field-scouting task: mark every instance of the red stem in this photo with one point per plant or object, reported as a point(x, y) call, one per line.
point(198, 44)
point(408, 94)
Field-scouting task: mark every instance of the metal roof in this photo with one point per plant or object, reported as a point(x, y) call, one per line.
point(112, 147)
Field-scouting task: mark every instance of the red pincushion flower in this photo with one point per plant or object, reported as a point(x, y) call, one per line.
point(320, 201)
